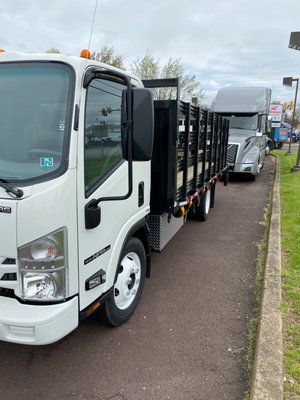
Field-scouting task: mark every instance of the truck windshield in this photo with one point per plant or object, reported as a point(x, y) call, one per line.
point(35, 108)
point(249, 122)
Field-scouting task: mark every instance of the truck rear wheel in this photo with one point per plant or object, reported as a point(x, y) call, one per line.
point(129, 284)
point(200, 211)
point(226, 178)
point(212, 195)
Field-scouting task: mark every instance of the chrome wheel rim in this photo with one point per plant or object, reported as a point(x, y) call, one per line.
point(128, 281)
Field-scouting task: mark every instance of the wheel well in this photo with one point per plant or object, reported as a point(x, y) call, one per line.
point(140, 231)
point(143, 236)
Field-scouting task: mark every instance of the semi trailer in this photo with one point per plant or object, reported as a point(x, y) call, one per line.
point(247, 110)
point(94, 175)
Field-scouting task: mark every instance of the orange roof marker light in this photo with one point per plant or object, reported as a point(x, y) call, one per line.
point(85, 54)
point(2, 51)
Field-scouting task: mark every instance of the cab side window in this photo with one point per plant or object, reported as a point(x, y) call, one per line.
point(264, 124)
point(102, 135)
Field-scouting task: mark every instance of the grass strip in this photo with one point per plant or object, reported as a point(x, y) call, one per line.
point(290, 246)
point(260, 272)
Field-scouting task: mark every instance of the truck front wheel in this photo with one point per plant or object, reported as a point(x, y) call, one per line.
point(129, 284)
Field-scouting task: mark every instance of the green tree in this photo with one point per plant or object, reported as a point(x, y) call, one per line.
point(107, 55)
point(148, 67)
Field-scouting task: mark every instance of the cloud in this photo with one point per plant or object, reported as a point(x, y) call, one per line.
point(223, 43)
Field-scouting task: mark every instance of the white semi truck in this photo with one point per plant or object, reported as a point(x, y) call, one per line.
point(79, 212)
point(247, 110)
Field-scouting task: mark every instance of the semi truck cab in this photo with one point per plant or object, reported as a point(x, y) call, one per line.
point(246, 108)
point(247, 143)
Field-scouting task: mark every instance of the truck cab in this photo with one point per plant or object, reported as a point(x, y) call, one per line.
point(93, 175)
point(68, 207)
point(246, 108)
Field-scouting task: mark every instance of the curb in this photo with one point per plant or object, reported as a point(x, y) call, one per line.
point(267, 374)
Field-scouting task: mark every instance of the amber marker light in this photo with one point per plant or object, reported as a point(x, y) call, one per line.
point(2, 51)
point(93, 308)
point(85, 54)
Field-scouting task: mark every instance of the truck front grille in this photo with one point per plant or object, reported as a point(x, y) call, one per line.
point(9, 261)
point(8, 276)
point(7, 292)
point(232, 152)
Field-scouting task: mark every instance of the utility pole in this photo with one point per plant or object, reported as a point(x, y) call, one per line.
point(295, 45)
point(288, 81)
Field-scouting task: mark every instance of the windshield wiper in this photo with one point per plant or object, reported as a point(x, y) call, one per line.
point(12, 191)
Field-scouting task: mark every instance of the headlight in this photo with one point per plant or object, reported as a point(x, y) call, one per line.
point(251, 158)
point(44, 249)
point(43, 267)
point(38, 285)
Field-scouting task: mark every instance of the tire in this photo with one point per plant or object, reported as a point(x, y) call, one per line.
point(212, 195)
point(129, 284)
point(251, 177)
point(226, 178)
point(200, 211)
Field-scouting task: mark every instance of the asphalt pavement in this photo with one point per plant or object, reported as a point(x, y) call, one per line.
point(189, 335)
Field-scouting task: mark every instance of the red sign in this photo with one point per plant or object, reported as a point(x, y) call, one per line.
point(275, 112)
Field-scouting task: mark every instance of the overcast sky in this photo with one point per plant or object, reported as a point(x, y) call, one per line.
point(223, 42)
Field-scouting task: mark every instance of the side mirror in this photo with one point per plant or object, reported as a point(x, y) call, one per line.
point(142, 124)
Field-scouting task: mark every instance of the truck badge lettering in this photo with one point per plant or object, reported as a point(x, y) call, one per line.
point(96, 255)
point(5, 210)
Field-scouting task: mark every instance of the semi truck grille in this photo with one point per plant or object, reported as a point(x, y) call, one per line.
point(232, 152)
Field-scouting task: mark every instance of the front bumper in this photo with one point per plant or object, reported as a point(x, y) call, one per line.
point(36, 324)
point(244, 168)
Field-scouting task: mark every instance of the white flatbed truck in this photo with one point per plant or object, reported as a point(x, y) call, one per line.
point(94, 175)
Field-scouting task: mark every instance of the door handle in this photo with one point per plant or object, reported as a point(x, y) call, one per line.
point(141, 194)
